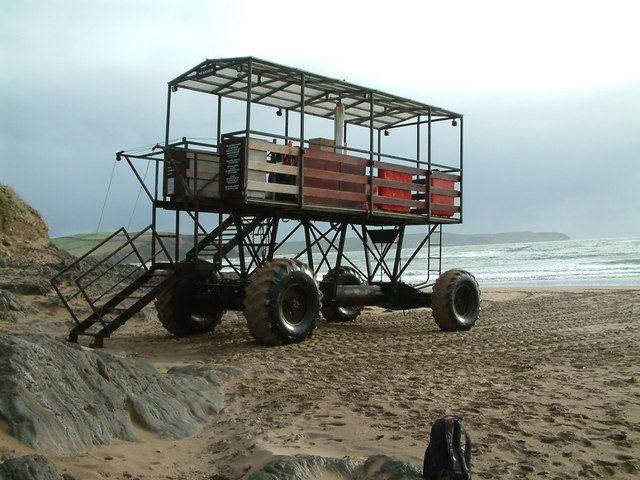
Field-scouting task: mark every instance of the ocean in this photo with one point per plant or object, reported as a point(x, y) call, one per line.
point(605, 262)
point(601, 262)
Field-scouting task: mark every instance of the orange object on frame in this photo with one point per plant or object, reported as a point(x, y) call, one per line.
point(442, 199)
point(395, 192)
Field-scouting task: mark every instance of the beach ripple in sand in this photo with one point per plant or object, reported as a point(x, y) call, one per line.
point(547, 383)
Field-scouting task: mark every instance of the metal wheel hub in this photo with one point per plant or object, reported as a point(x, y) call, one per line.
point(294, 304)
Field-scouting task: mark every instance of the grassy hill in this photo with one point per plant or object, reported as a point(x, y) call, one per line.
point(24, 233)
point(81, 243)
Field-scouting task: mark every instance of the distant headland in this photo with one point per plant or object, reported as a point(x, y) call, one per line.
point(506, 237)
point(83, 242)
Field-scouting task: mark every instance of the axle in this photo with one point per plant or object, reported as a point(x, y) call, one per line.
point(381, 295)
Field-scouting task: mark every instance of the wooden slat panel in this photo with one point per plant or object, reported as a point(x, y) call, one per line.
point(399, 202)
point(445, 176)
point(329, 175)
point(445, 208)
point(444, 191)
point(438, 191)
point(271, 187)
point(273, 168)
point(416, 187)
point(399, 168)
point(335, 157)
point(264, 146)
point(322, 193)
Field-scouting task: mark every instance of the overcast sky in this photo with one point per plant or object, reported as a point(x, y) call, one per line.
point(550, 91)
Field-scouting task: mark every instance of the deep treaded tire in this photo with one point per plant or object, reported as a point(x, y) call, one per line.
point(180, 314)
point(346, 276)
point(282, 302)
point(455, 300)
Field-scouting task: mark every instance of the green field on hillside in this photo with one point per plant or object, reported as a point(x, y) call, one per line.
point(80, 244)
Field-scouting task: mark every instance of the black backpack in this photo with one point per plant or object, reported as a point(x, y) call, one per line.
point(446, 458)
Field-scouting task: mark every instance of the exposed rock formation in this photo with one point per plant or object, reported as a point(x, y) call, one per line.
point(64, 398)
point(31, 467)
point(309, 467)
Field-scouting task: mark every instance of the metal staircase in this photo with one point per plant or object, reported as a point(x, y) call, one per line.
point(111, 288)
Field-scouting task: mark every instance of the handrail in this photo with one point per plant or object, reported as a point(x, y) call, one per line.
point(378, 154)
point(144, 265)
point(87, 254)
point(121, 247)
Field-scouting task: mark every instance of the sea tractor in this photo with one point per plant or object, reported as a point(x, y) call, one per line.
point(306, 197)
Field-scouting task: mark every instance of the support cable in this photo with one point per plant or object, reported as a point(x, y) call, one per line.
point(135, 204)
point(104, 205)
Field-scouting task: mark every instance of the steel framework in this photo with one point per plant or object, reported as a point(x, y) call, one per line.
point(264, 189)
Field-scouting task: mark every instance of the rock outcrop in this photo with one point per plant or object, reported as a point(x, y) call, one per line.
point(310, 467)
point(65, 398)
point(31, 467)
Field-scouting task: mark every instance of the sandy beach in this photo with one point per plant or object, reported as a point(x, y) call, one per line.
point(547, 383)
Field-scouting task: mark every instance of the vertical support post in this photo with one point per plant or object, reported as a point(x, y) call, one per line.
point(154, 211)
point(343, 237)
point(274, 238)
point(219, 242)
point(177, 237)
point(344, 137)
point(340, 254)
point(249, 87)
point(286, 126)
point(243, 266)
point(245, 160)
point(168, 117)
point(461, 149)
point(219, 123)
point(418, 142)
point(429, 140)
point(338, 127)
point(398, 259)
point(371, 137)
point(301, 166)
point(428, 179)
point(371, 150)
point(307, 239)
point(367, 259)
point(302, 102)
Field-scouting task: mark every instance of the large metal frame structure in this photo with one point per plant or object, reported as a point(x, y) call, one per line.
point(236, 192)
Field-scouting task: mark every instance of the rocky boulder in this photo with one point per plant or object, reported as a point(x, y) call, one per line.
point(31, 467)
point(11, 307)
point(65, 398)
point(311, 467)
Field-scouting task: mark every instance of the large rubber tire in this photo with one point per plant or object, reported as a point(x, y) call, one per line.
point(346, 276)
point(180, 314)
point(282, 302)
point(456, 301)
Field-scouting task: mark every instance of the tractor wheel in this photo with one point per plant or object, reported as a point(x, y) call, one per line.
point(455, 300)
point(180, 313)
point(282, 302)
point(346, 276)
